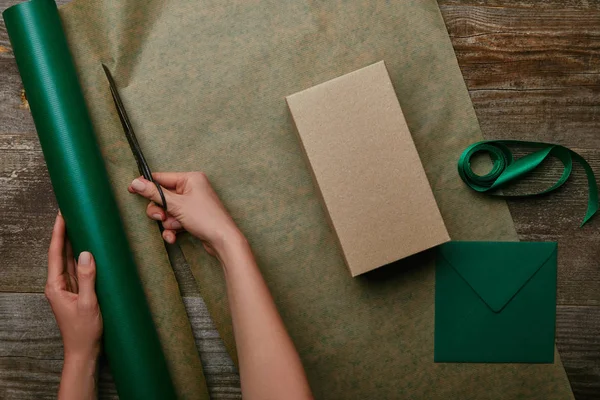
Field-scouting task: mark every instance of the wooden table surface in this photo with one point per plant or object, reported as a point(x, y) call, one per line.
point(533, 71)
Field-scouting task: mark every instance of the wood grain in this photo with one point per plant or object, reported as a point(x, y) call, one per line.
point(533, 71)
point(567, 116)
point(28, 210)
point(578, 341)
point(14, 110)
point(537, 4)
point(32, 379)
point(31, 346)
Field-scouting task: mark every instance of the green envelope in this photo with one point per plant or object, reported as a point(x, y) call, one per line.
point(495, 302)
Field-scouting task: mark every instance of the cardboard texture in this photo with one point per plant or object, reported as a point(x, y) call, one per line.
point(204, 84)
point(367, 169)
point(495, 302)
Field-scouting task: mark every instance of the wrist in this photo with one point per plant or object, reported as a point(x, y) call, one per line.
point(231, 247)
point(85, 365)
point(79, 378)
point(228, 240)
point(83, 357)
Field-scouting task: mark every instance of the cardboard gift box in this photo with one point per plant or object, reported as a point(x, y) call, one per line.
point(367, 169)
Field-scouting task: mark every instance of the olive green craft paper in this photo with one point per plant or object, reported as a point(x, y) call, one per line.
point(204, 83)
point(87, 199)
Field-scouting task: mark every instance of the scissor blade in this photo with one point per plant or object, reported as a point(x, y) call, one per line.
point(118, 102)
point(129, 133)
point(131, 139)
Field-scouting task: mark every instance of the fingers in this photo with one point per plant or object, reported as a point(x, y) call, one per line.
point(55, 251)
point(158, 214)
point(72, 282)
point(169, 179)
point(148, 190)
point(172, 224)
point(86, 277)
point(169, 236)
point(155, 212)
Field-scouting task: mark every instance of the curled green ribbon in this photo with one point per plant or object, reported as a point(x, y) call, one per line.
point(506, 169)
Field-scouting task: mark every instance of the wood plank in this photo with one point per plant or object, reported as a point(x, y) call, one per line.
point(31, 350)
point(554, 215)
point(503, 112)
point(31, 346)
point(568, 116)
point(578, 341)
point(530, 70)
point(35, 379)
point(14, 108)
point(578, 274)
point(534, 74)
point(537, 4)
point(188, 286)
point(28, 328)
point(557, 217)
point(532, 67)
point(558, 213)
point(27, 379)
point(221, 375)
point(28, 211)
point(26, 201)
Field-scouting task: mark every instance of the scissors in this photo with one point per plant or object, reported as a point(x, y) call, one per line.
point(132, 140)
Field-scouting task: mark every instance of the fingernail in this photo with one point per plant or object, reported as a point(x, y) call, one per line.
point(138, 185)
point(176, 225)
point(170, 238)
point(157, 217)
point(59, 213)
point(85, 258)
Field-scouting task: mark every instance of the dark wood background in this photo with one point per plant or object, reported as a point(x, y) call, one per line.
point(533, 70)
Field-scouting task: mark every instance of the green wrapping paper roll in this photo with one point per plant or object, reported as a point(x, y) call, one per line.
point(85, 197)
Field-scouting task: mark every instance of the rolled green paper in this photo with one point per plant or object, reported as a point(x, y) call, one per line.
point(85, 197)
point(506, 169)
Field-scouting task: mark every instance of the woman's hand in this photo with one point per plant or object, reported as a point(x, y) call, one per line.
point(72, 296)
point(193, 205)
point(270, 367)
point(70, 291)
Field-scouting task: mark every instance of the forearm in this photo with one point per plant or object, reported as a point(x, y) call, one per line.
point(79, 379)
point(270, 367)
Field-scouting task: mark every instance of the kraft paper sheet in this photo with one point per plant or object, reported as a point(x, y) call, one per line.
point(204, 83)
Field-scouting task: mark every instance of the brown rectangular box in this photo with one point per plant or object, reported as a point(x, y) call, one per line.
point(367, 168)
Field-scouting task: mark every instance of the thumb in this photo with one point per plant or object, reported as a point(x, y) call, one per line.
point(86, 279)
point(149, 190)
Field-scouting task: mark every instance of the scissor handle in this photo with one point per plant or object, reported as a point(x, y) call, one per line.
point(161, 194)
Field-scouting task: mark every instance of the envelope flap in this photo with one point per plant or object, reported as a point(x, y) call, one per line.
point(497, 271)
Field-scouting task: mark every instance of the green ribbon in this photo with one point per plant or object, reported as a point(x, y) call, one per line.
point(506, 169)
